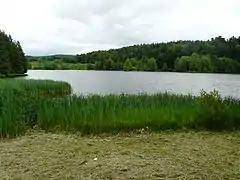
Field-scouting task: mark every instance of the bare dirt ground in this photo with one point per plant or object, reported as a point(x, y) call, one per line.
point(172, 155)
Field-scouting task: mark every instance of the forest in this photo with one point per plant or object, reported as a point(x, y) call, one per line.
point(218, 55)
point(12, 57)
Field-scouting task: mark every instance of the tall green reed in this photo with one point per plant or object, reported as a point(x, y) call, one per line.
point(27, 104)
point(20, 100)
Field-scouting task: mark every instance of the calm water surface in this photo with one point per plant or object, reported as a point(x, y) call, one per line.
point(108, 82)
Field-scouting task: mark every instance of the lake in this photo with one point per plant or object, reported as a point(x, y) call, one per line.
point(109, 82)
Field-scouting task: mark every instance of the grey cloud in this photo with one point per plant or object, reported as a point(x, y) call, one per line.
point(79, 26)
point(112, 22)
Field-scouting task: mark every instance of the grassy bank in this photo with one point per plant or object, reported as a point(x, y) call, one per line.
point(173, 155)
point(36, 87)
point(4, 76)
point(51, 65)
point(127, 113)
point(27, 104)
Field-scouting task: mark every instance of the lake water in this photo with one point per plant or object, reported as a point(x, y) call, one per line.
point(108, 82)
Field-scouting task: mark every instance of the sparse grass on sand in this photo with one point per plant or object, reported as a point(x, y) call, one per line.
point(168, 155)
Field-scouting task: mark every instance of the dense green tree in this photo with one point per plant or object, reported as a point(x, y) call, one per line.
point(182, 64)
point(98, 65)
point(135, 64)
point(183, 56)
point(164, 67)
point(5, 66)
point(90, 66)
point(194, 63)
point(151, 64)
point(23, 61)
point(207, 65)
point(109, 64)
point(169, 52)
point(228, 65)
point(127, 65)
point(12, 58)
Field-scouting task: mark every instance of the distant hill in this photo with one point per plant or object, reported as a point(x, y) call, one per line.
point(56, 57)
point(217, 55)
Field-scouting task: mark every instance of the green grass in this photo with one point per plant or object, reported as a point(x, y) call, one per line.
point(35, 86)
point(27, 104)
point(20, 101)
point(113, 113)
point(55, 65)
point(3, 76)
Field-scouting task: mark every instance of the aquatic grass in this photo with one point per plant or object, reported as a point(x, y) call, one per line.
point(20, 100)
point(27, 104)
point(36, 86)
point(114, 113)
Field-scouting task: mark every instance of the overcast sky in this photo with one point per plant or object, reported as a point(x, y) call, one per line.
point(78, 26)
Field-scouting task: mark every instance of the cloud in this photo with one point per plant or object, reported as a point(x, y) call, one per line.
point(79, 26)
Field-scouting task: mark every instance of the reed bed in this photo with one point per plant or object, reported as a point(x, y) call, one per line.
point(114, 113)
point(36, 86)
point(28, 104)
point(20, 101)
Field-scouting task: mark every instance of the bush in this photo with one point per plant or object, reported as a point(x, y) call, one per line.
point(213, 113)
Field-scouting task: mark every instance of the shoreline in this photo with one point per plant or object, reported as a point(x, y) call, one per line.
point(12, 76)
point(158, 71)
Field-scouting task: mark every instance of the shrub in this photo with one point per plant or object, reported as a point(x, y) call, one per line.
point(213, 113)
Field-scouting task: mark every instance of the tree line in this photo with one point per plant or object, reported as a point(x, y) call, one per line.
point(56, 65)
point(218, 55)
point(12, 58)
